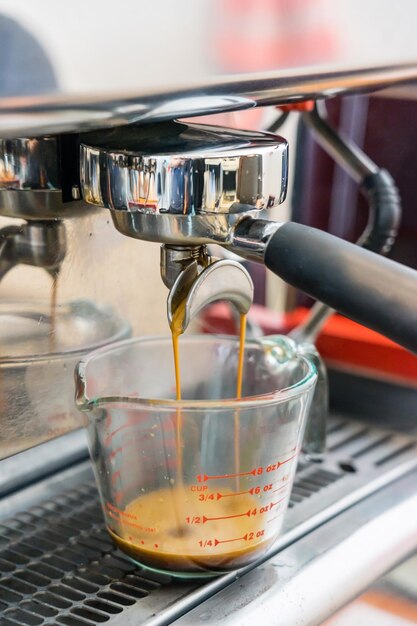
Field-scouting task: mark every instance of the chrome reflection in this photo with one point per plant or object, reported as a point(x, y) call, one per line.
point(29, 163)
point(183, 169)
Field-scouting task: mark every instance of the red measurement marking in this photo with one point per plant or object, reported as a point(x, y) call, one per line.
point(287, 460)
point(257, 471)
point(279, 489)
point(127, 518)
point(244, 538)
point(118, 497)
point(289, 451)
point(203, 477)
point(212, 519)
point(238, 493)
point(126, 442)
point(272, 504)
point(115, 476)
point(110, 436)
point(115, 452)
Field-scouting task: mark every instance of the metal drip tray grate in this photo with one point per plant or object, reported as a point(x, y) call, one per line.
point(313, 483)
point(59, 565)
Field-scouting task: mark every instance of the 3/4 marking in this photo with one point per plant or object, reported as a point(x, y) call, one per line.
point(206, 497)
point(236, 493)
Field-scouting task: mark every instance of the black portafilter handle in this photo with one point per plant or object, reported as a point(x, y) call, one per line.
point(372, 290)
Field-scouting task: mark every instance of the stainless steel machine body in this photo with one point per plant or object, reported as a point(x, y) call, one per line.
point(69, 573)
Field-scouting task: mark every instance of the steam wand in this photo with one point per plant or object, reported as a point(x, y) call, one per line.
point(380, 192)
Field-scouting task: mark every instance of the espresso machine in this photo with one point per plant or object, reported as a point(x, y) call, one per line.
point(134, 160)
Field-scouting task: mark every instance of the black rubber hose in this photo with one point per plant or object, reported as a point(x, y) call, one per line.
point(384, 212)
point(376, 184)
point(372, 290)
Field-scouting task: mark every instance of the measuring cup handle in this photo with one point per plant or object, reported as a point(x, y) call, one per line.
point(314, 443)
point(372, 290)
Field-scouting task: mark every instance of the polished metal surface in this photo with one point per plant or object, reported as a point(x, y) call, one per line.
point(183, 169)
point(58, 520)
point(29, 163)
point(345, 555)
point(39, 204)
point(40, 345)
point(43, 460)
point(182, 184)
point(175, 259)
point(39, 244)
point(30, 180)
point(349, 156)
point(220, 280)
point(175, 230)
point(47, 114)
point(249, 237)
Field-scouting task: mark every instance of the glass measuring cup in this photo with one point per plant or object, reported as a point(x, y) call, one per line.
point(198, 486)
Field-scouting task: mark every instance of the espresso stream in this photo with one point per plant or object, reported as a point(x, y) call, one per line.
point(165, 528)
point(54, 298)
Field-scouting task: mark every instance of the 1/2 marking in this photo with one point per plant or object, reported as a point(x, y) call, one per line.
point(197, 519)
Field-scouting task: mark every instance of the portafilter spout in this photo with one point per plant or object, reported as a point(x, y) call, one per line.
point(193, 290)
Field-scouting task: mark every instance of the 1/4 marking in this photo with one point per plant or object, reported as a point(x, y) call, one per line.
point(208, 543)
point(244, 538)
